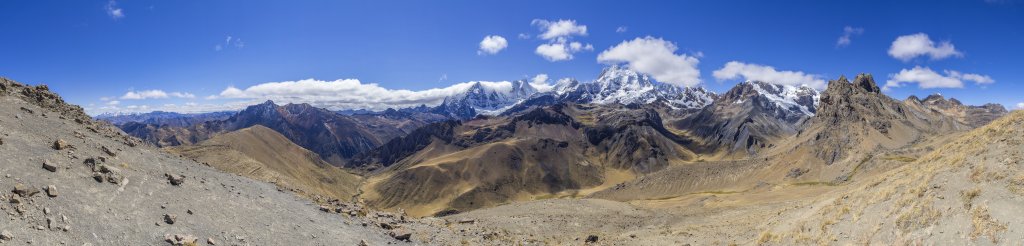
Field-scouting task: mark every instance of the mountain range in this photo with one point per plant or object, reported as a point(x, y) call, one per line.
point(762, 163)
point(498, 142)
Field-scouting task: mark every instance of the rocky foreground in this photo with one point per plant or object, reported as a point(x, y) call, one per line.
point(69, 180)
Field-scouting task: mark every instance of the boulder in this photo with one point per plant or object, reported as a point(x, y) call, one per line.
point(591, 239)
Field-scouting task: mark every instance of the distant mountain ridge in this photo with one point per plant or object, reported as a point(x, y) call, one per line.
point(164, 118)
point(333, 136)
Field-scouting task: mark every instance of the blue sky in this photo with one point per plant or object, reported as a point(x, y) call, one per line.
point(96, 52)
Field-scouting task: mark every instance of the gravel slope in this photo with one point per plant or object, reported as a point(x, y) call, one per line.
point(230, 209)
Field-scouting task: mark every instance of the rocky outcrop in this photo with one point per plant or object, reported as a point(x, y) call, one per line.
point(857, 117)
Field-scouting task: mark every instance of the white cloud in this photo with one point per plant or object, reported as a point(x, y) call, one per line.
point(349, 93)
point(1020, 106)
point(139, 95)
point(114, 102)
point(735, 69)
point(656, 57)
point(906, 48)
point(154, 94)
point(621, 29)
point(559, 35)
point(492, 45)
point(540, 81)
point(848, 31)
point(561, 51)
point(926, 78)
point(113, 10)
point(554, 52)
point(524, 36)
point(560, 28)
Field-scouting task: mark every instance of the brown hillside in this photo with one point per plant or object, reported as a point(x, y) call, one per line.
point(264, 154)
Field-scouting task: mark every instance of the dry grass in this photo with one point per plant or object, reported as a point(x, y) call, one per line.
point(967, 196)
point(1016, 185)
point(984, 225)
point(899, 158)
point(917, 217)
point(766, 237)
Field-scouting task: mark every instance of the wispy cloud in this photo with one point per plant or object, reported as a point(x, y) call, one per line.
point(906, 48)
point(229, 41)
point(113, 10)
point(154, 94)
point(848, 32)
point(621, 29)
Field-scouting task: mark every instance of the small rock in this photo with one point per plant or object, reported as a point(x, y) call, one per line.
point(386, 226)
point(170, 218)
point(175, 180)
point(60, 144)
point(591, 239)
point(46, 210)
point(362, 242)
point(210, 241)
point(49, 223)
point(51, 191)
point(189, 211)
point(49, 166)
point(97, 176)
point(325, 208)
point(108, 151)
point(6, 235)
point(178, 239)
point(401, 234)
point(467, 221)
point(24, 191)
point(14, 200)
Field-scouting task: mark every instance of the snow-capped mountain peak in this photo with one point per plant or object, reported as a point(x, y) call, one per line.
point(486, 98)
point(619, 84)
point(801, 97)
